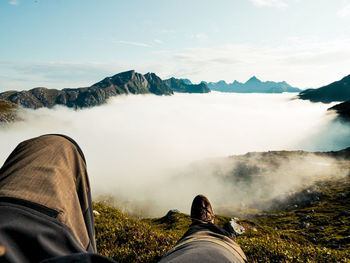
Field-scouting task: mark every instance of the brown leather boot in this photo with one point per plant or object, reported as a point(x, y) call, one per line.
point(201, 211)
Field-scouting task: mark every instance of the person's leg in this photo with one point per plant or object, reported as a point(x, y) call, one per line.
point(44, 183)
point(204, 241)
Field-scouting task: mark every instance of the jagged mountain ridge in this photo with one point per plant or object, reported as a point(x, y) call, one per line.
point(129, 82)
point(253, 85)
point(185, 86)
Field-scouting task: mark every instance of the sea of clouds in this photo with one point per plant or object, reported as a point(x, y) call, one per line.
point(138, 146)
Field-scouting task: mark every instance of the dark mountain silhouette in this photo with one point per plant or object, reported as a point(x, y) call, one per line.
point(184, 86)
point(343, 110)
point(129, 82)
point(336, 91)
point(253, 85)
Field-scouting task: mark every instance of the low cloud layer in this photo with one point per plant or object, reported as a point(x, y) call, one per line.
point(138, 146)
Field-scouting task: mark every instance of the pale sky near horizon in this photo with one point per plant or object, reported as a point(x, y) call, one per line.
point(72, 43)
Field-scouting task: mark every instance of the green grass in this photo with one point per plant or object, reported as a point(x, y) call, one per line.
point(274, 237)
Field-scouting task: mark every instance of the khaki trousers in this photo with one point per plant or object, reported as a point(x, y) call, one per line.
point(48, 174)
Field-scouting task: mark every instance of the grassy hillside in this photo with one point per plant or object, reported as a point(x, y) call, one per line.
point(313, 231)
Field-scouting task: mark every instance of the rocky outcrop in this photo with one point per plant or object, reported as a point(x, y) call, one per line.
point(8, 111)
point(253, 85)
point(129, 82)
point(157, 86)
point(185, 86)
point(234, 227)
point(336, 91)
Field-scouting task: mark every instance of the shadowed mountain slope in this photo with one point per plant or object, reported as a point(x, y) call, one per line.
point(336, 91)
point(185, 86)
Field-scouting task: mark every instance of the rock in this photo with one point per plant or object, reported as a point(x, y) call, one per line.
point(171, 213)
point(96, 213)
point(234, 228)
point(303, 225)
point(8, 111)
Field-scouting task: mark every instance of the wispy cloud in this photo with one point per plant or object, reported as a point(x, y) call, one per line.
point(270, 3)
point(302, 62)
point(345, 11)
point(14, 2)
point(131, 43)
point(16, 75)
point(158, 41)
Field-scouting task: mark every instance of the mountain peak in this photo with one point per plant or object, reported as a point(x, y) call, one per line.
point(253, 79)
point(125, 73)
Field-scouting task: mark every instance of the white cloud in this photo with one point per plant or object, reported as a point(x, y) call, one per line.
point(144, 139)
point(158, 41)
point(14, 2)
point(270, 3)
point(345, 11)
point(138, 44)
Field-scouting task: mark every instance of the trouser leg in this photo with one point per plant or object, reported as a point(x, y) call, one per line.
point(205, 243)
point(51, 171)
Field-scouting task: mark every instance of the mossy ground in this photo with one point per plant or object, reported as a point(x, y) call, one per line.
point(276, 236)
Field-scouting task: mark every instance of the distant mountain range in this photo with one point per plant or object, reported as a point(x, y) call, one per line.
point(129, 82)
point(253, 85)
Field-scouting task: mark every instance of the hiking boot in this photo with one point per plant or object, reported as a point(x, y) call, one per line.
point(201, 211)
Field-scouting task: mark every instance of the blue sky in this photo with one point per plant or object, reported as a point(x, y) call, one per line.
point(71, 43)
